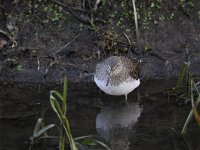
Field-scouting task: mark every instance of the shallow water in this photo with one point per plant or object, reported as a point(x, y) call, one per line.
point(154, 122)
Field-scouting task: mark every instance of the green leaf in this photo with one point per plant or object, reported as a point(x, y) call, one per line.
point(56, 107)
point(56, 93)
point(38, 125)
point(43, 130)
point(102, 144)
point(87, 142)
point(190, 115)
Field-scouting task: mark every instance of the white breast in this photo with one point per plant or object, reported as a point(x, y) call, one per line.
point(121, 89)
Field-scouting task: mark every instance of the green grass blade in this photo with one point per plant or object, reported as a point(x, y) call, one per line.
point(64, 106)
point(56, 93)
point(62, 142)
point(66, 126)
point(48, 137)
point(196, 115)
point(195, 87)
point(102, 144)
point(43, 130)
point(61, 113)
point(56, 107)
point(82, 137)
point(38, 126)
point(190, 116)
point(184, 69)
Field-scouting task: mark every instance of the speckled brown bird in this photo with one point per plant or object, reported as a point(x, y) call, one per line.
point(117, 75)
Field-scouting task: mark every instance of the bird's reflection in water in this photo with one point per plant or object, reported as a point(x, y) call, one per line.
point(115, 122)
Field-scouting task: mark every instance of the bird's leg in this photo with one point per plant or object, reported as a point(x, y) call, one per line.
point(126, 98)
point(138, 95)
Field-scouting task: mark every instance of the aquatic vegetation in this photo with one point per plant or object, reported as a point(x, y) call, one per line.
point(194, 106)
point(193, 93)
point(58, 103)
point(61, 110)
point(188, 92)
point(40, 129)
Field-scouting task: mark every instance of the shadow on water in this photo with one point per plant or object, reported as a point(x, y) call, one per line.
point(154, 123)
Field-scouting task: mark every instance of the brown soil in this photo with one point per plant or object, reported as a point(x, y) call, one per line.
point(43, 40)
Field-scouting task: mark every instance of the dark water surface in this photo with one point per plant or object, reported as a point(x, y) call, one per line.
point(154, 122)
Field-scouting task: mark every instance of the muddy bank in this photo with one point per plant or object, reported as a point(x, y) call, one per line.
point(44, 40)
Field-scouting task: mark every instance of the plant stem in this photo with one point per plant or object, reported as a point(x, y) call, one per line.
point(190, 116)
point(136, 28)
point(62, 141)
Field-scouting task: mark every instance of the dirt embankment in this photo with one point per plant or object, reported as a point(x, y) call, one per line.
point(43, 40)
